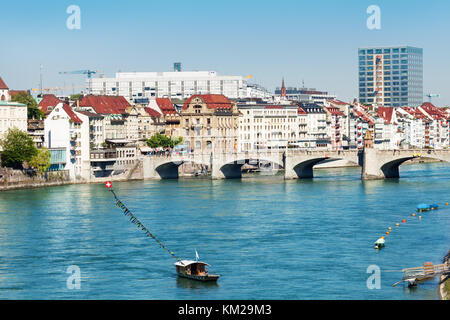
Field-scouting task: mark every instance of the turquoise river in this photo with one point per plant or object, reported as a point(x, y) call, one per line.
point(267, 238)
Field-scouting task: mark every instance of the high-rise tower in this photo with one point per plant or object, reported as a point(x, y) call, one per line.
point(391, 76)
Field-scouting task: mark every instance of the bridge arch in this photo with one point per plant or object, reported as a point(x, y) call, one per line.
point(233, 169)
point(304, 169)
point(392, 169)
point(384, 164)
point(170, 169)
point(301, 165)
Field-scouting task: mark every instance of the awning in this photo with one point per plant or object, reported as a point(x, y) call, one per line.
point(146, 149)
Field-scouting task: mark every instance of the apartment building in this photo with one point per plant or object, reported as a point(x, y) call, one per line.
point(67, 138)
point(267, 126)
point(209, 123)
point(12, 114)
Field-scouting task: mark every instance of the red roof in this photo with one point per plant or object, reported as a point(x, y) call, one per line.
point(435, 112)
point(414, 112)
point(301, 111)
point(385, 113)
point(105, 104)
point(166, 106)
point(335, 111)
point(339, 102)
point(3, 85)
point(49, 100)
point(213, 101)
point(71, 114)
point(363, 117)
point(152, 112)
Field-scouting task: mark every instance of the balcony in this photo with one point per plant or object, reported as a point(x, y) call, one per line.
point(107, 155)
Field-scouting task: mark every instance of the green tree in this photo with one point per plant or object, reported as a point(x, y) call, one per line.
point(75, 96)
point(18, 147)
point(33, 108)
point(159, 140)
point(41, 160)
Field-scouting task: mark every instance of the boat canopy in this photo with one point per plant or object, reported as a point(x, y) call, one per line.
point(185, 263)
point(423, 206)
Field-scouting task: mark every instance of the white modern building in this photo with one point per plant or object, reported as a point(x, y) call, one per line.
point(256, 91)
point(305, 95)
point(141, 86)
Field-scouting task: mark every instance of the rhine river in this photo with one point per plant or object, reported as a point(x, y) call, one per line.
point(269, 239)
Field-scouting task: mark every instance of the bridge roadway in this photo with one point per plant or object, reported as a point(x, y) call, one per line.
point(297, 164)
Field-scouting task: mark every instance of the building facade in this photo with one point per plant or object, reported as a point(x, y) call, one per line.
point(67, 138)
point(317, 131)
point(140, 87)
point(12, 115)
point(209, 123)
point(266, 126)
point(391, 76)
point(304, 95)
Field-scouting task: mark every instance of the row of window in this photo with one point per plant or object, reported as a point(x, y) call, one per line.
point(390, 50)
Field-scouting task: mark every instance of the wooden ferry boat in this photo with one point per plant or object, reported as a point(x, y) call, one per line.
point(195, 270)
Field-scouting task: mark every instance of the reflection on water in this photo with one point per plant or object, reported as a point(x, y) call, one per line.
point(184, 283)
point(267, 238)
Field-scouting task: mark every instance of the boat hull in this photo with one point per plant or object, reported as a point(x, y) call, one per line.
point(205, 278)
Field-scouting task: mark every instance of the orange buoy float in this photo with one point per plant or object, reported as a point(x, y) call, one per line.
point(404, 221)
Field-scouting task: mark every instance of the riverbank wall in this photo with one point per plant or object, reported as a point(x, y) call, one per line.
point(11, 179)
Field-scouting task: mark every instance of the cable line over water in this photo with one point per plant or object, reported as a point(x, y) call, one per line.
point(136, 221)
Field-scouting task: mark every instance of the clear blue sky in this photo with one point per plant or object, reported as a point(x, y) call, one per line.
point(312, 40)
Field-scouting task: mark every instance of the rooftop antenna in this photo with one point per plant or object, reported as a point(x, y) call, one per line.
point(40, 77)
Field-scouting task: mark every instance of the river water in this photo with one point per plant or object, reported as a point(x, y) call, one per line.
point(268, 238)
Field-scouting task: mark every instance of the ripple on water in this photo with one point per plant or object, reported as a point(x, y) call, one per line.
point(268, 238)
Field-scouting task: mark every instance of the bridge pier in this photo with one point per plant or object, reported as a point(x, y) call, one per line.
point(371, 169)
point(384, 164)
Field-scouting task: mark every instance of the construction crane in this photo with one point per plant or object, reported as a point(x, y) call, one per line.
point(430, 96)
point(89, 74)
point(55, 89)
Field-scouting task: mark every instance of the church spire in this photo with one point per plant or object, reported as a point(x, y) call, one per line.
point(283, 89)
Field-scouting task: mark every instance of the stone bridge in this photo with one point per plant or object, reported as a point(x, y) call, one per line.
point(384, 164)
point(297, 164)
point(222, 165)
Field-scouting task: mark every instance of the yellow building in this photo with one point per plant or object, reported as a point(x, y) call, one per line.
point(210, 123)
